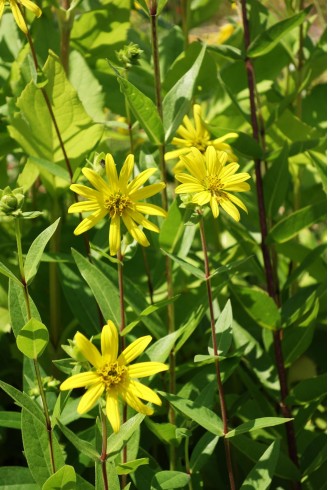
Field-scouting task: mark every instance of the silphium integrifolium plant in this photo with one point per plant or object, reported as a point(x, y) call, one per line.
point(119, 198)
point(111, 374)
point(16, 7)
point(194, 134)
point(211, 180)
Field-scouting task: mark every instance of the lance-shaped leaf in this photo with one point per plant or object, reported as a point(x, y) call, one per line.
point(32, 339)
point(260, 476)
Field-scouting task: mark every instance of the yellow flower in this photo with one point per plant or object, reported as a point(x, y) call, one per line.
point(196, 135)
point(225, 32)
point(17, 13)
point(113, 375)
point(119, 199)
point(211, 181)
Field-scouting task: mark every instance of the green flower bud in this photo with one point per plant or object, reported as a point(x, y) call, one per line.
point(129, 55)
point(11, 201)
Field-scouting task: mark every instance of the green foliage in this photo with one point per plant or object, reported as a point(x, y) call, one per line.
point(83, 85)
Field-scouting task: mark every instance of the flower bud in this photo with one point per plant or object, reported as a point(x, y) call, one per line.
point(129, 55)
point(11, 201)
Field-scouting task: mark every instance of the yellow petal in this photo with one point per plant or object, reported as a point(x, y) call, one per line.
point(233, 179)
point(150, 209)
point(83, 206)
point(85, 191)
point(90, 221)
point(126, 171)
point(201, 198)
point(197, 111)
point(223, 138)
point(230, 169)
point(176, 153)
point(184, 132)
point(112, 410)
point(32, 6)
point(238, 187)
point(237, 201)
point(141, 220)
point(142, 369)
point(195, 163)
point(134, 231)
point(2, 6)
point(214, 206)
point(148, 191)
point(140, 180)
point(135, 403)
point(189, 188)
point(111, 172)
point(95, 179)
point(186, 178)
point(115, 235)
point(18, 16)
point(109, 342)
point(80, 380)
point(230, 209)
point(89, 351)
point(211, 160)
point(144, 392)
point(91, 396)
point(134, 350)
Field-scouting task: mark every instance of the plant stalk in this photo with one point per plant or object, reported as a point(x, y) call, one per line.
point(223, 406)
point(168, 262)
point(269, 273)
point(65, 35)
point(35, 361)
point(103, 457)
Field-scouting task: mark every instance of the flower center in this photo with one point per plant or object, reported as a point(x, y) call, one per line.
point(112, 373)
point(117, 203)
point(213, 184)
point(201, 142)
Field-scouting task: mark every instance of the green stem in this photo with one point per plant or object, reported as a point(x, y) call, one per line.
point(103, 457)
point(35, 361)
point(187, 462)
point(54, 292)
point(168, 262)
point(120, 259)
point(65, 26)
point(224, 414)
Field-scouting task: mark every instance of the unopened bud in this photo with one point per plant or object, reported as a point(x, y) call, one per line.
point(11, 201)
point(129, 55)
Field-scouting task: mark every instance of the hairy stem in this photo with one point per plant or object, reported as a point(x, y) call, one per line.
point(269, 272)
point(168, 262)
point(224, 414)
point(35, 361)
point(103, 456)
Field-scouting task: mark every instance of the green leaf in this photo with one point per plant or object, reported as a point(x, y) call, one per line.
point(160, 350)
point(169, 480)
point(202, 451)
point(165, 431)
point(63, 479)
point(186, 265)
point(257, 424)
point(199, 414)
point(130, 466)
point(260, 477)
point(230, 52)
point(33, 339)
point(33, 256)
point(52, 168)
point(253, 450)
point(290, 226)
point(6, 272)
point(116, 441)
point(104, 291)
point(310, 389)
point(172, 227)
point(16, 478)
point(314, 256)
point(23, 400)
point(11, 420)
point(144, 111)
point(36, 448)
point(111, 476)
point(84, 447)
point(223, 331)
point(268, 39)
point(276, 182)
point(259, 306)
point(177, 101)
point(32, 127)
point(298, 305)
point(17, 307)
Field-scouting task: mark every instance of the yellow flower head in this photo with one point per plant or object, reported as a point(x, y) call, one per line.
point(17, 13)
point(112, 375)
point(196, 135)
point(119, 199)
point(211, 180)
point(225, 32)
